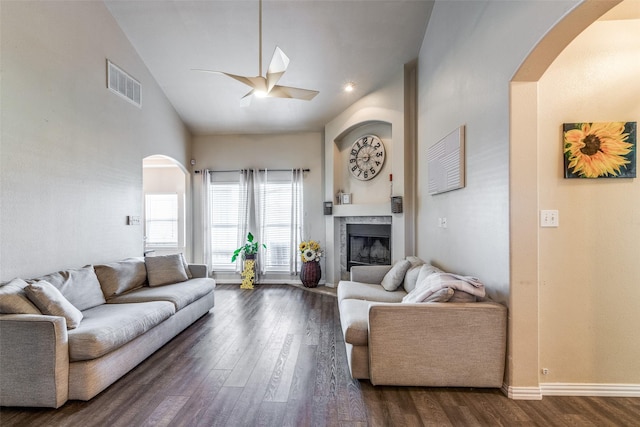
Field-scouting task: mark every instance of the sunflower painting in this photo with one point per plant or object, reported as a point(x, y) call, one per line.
point(600, 150)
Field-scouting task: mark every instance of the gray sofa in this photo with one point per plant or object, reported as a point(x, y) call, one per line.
point(109, 319)
point(457, 343)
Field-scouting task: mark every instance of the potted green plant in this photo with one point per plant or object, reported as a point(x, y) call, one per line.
point(249, 248)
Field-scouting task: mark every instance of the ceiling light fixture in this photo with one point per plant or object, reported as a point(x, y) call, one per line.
point(349, 87)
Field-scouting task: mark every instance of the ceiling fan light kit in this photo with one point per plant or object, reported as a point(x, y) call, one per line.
point(267, 87)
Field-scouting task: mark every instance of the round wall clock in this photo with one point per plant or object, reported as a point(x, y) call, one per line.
point(366, 157)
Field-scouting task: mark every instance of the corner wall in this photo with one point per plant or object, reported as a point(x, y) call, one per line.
point(71, 151)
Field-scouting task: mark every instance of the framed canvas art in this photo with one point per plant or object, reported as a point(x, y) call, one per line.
point(600, 150)
point(445, 161)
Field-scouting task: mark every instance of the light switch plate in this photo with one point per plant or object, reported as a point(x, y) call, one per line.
point(133, 220)
point(549, 218)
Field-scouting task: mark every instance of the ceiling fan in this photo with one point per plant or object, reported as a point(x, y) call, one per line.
point(262, 87)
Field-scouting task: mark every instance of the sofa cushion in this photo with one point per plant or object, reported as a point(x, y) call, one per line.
point(393, 279)
point(110, 326)
point(367, 291)
point(80, 286)
point(180, 294)
point(354, 319)
point(119, 277)
point(165, 269)
point(51, 302)
point(13, 299)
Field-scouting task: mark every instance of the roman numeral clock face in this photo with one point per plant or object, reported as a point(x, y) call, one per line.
point(366, 157)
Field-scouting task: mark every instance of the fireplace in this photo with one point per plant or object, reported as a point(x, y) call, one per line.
point(368, 244)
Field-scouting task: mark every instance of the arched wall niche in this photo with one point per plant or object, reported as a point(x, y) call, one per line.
point(364, 192)
point(370, 199)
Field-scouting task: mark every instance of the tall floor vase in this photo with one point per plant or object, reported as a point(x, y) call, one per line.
point(310, 274)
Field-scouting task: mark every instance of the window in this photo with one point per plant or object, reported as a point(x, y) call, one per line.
point(224, 208)
point(161, 220)
point(277, 199)
point(274, 217)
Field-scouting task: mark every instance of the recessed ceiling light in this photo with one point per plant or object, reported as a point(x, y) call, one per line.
point(349, 87)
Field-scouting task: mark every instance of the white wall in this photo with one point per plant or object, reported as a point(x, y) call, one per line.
point(275, 151)
point(71, 151)
point(470, 52)
point(588, 268)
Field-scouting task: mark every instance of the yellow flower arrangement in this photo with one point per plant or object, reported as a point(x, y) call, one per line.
point(310, 250)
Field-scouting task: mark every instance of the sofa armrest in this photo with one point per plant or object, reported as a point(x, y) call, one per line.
point(438, 344)
point(199, 270)
point(369, 273)
point(34, 356)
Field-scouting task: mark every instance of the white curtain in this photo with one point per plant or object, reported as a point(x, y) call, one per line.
point(205, 215)
point(297, 208)
point(261, 179)
point(244, 210)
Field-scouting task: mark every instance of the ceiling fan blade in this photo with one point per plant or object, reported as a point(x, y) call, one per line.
point(292, 92)
point(258, 83)
point(277, 67)
point(245, 101)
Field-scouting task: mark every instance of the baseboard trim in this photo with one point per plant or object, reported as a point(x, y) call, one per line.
point(522, 393)
point(601, 390)
point(571, 389)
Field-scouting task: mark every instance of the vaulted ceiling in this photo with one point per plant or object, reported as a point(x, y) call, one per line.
point(329, 43)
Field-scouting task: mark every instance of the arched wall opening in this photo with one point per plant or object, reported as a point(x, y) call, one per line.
point(535, 171)
point(166, 209)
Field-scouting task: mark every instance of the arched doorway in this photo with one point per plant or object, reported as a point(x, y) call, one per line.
point(530, 177)
point(165, 210)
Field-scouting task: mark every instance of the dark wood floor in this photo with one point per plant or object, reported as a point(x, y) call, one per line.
point(275, 356)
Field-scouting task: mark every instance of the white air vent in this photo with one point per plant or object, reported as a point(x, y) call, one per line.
point(123, 84)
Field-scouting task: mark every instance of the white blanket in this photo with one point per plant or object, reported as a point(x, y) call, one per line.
point(437, 281)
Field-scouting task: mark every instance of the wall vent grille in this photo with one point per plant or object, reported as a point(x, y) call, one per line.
point(121, 83)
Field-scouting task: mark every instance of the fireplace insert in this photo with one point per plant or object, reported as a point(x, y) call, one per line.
point(368, 244)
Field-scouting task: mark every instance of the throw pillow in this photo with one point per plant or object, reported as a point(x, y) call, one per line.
point(51, 302)
point(426, 270)
point(13, 300)
point(395, 276)
point(122, 276)
point(186, 266)
point(80, 286)
point(411, 278)
point(165, 269)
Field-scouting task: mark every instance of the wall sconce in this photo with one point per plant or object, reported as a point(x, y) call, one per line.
point(396, 204)
point(328, 208)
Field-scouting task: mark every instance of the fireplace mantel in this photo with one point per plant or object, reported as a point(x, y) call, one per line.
point(368, 209)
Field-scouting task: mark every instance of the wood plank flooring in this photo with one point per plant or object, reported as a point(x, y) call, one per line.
point(275, 356)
